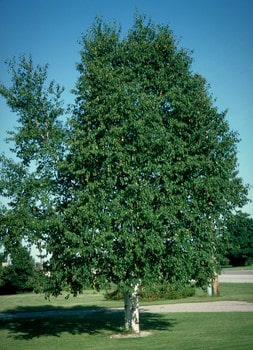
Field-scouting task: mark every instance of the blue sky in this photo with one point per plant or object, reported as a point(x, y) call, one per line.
point(220, 33)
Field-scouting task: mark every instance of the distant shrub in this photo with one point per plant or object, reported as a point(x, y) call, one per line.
point(159, 291)
point(17, 277)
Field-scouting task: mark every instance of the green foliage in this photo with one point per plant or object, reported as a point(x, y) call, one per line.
point(162, 291)
point(28, 183)
point(240, 240)
point(38, 107)
point(18, 276)
point(152, 163)
point(140, 182)
point(2, 258)
point(167, 291)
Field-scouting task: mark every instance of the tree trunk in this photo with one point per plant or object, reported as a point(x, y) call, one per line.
point(132, 312)
point(216, 287)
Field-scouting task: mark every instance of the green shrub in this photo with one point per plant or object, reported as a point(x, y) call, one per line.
point(166, 291)
point(159, 291)
point(17, 277)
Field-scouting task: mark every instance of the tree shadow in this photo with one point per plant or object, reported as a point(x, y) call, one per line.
point(156, 322)
point(91, 320)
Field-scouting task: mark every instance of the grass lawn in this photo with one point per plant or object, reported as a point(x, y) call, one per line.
point(241, 268)
point(169, 331)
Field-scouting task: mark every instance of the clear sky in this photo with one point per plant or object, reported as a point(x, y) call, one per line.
point(220, 33)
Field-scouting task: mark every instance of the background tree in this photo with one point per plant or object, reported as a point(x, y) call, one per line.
point(149, 174)
point(2, 258)
point(240, 239)
point(29, 181)
point(18, 276)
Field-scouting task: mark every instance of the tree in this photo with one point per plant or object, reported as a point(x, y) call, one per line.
point(152, 163)
point(19, 275)
point(28, 183)
point(240, 239)
point(148, 174)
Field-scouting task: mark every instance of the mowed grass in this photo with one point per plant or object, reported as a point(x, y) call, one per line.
point(240, 268)
point(93, 331)
point(169, 331)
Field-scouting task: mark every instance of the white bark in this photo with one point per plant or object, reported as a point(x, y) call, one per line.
point(132, 312)
point(215, 286)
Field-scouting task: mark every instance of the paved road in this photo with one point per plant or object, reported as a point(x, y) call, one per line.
point(236, 276)
point(214, 306)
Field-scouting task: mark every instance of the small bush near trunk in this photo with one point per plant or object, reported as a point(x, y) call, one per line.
point(161, 291)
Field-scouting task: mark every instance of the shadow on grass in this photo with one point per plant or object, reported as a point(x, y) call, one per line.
point(49, 308)
point(92, 320)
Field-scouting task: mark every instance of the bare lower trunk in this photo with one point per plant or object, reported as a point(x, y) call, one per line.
point(132, 312)
point(216, 287)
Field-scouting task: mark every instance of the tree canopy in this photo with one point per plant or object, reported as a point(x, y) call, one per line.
point(138, 186)
point(17, 276)
point(29, 181)
point(152, 161)
point(240, 239)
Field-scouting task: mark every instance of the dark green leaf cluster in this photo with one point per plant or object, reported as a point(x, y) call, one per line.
point(239, 251)
point(18, 276)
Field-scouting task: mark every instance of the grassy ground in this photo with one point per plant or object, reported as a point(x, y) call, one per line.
point(241, 268)
point(174, 330)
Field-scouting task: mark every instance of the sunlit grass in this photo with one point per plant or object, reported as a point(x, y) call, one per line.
point(241, 268)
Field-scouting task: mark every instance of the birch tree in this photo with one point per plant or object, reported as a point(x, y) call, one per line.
point(28, 180)
point(148, 172)
point(152, 165)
